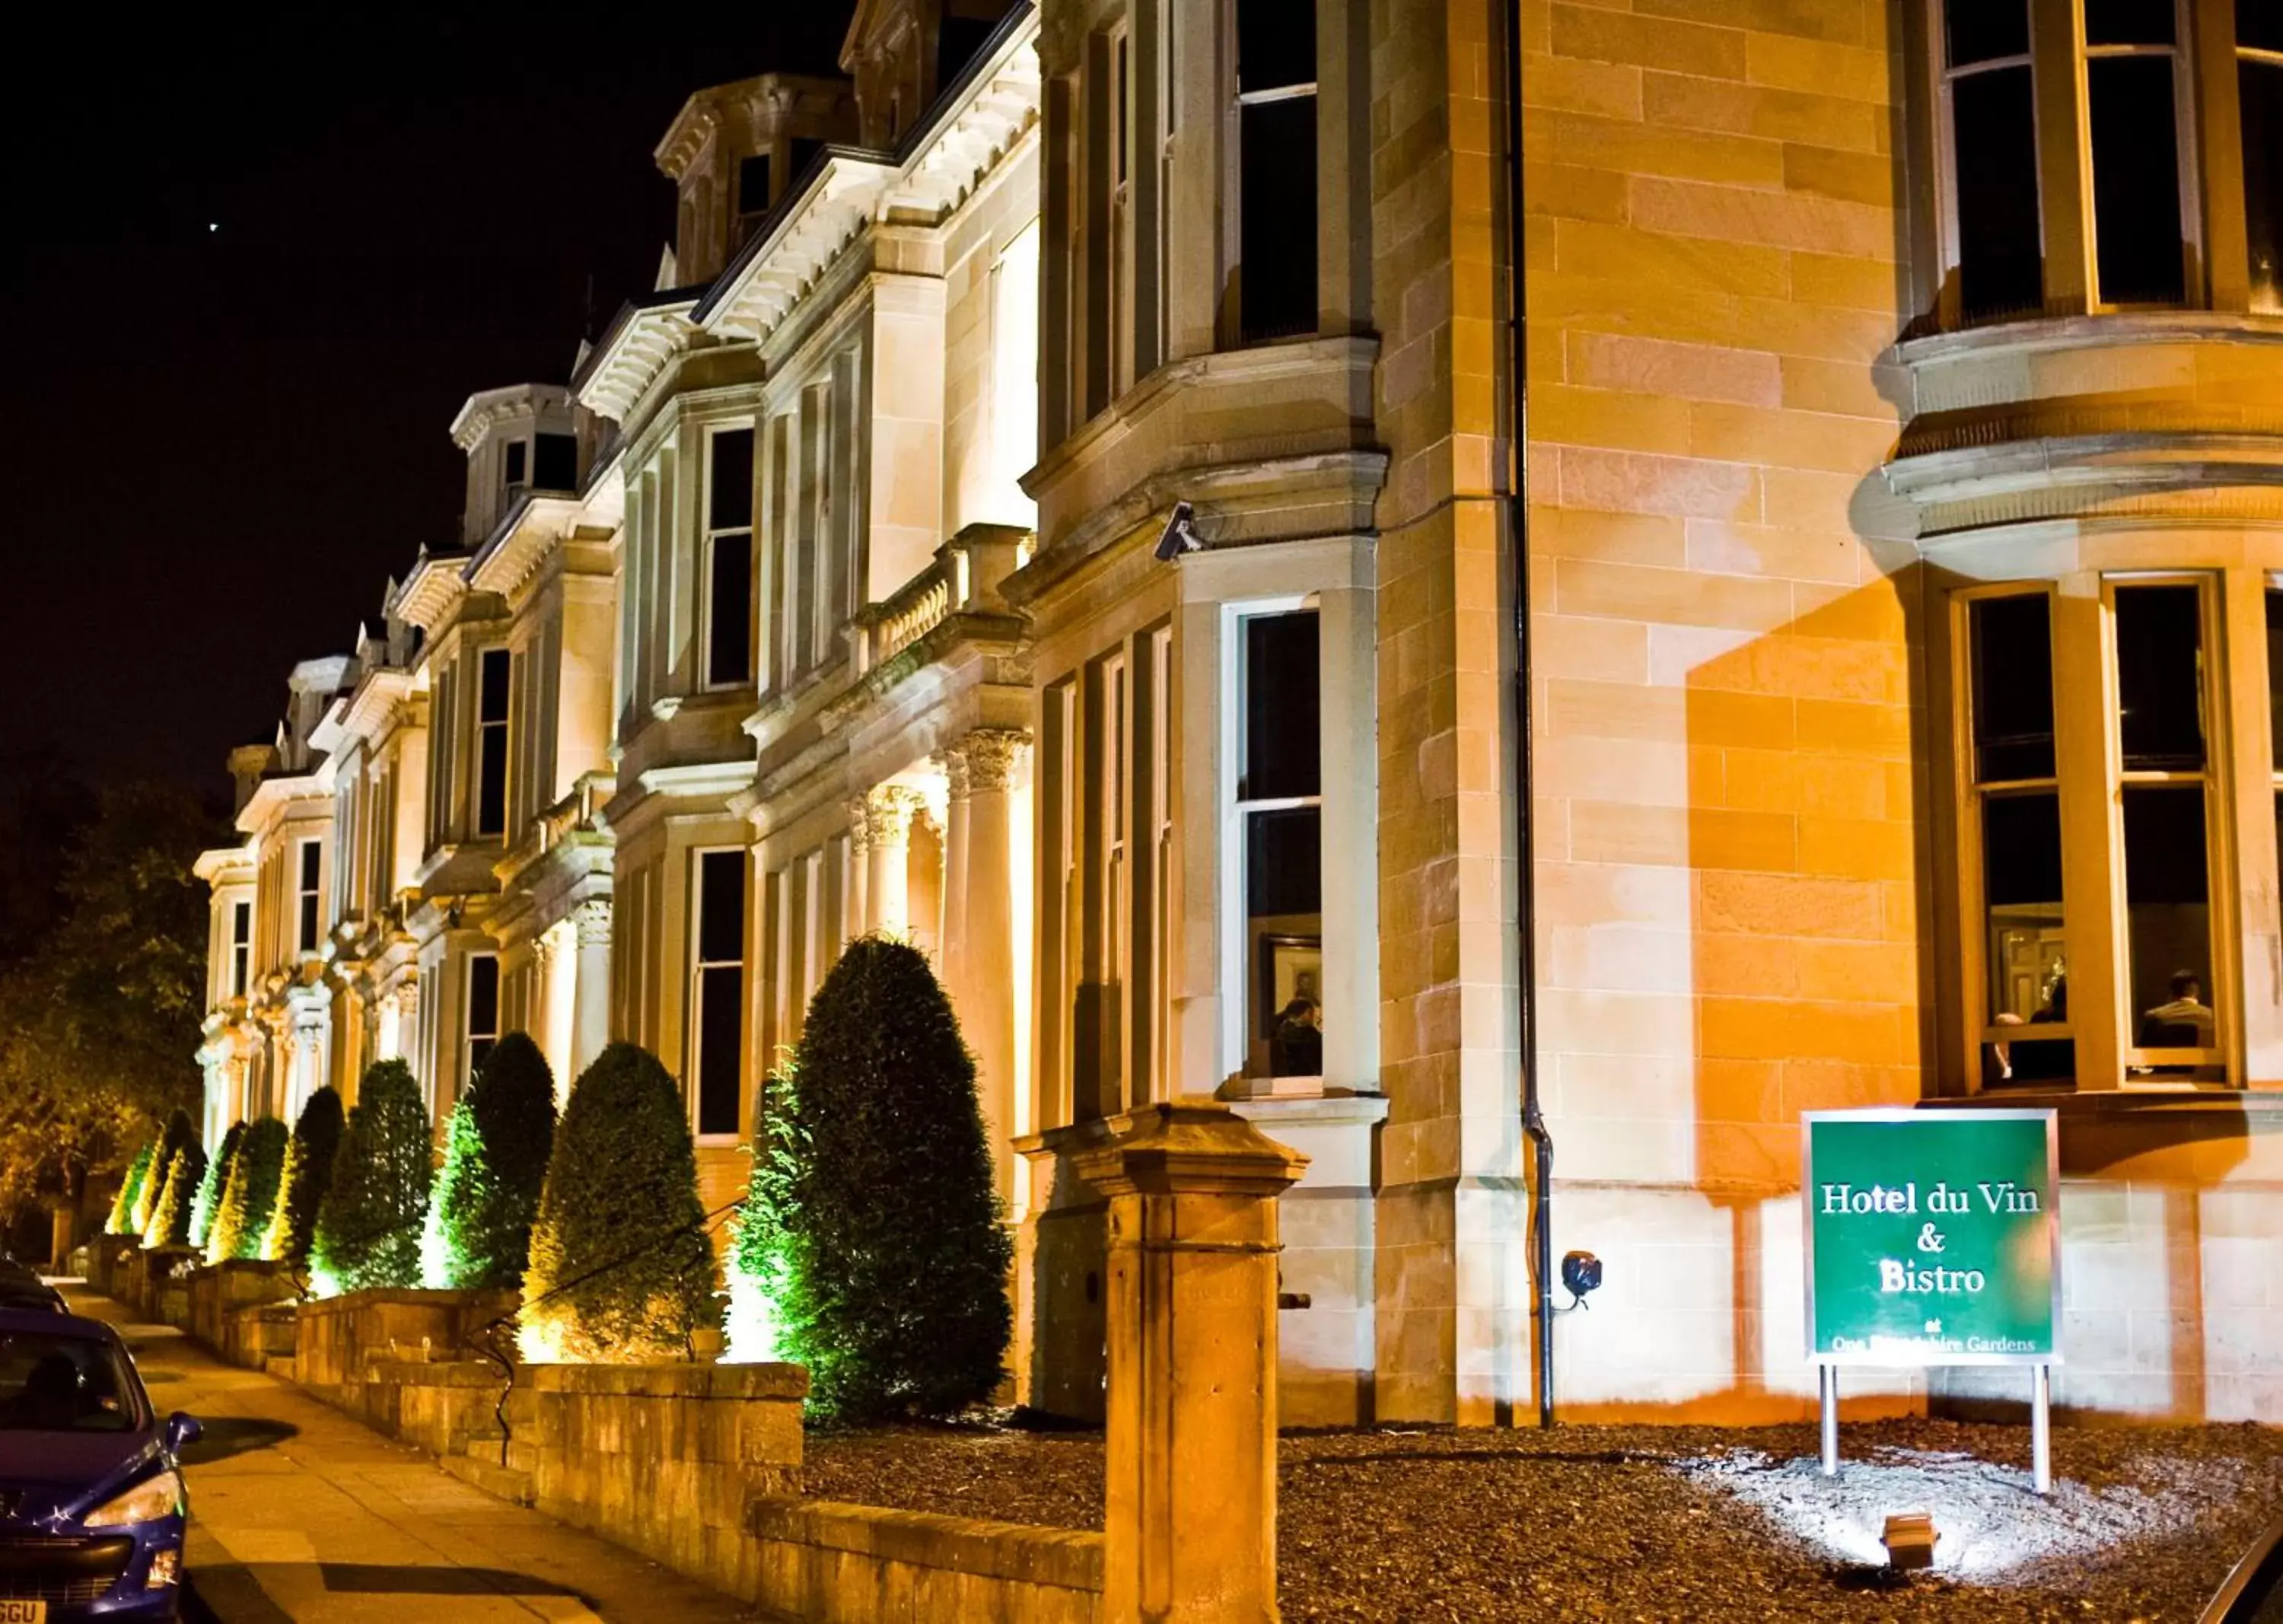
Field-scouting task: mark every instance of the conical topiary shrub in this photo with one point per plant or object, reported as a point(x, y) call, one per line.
point(367, 1234)
point(210, 1187)
point(250, 1195)
point(876, 1193)
point(178, 1133)
point(308, 1174)
point(495, 1149)
point(621, 1269)
point(170, 1214)
point(121, 1221)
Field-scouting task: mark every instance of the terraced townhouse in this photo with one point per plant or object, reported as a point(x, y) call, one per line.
point(1072, 500)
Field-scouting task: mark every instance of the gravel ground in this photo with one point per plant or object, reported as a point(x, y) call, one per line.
point(1668, 1523)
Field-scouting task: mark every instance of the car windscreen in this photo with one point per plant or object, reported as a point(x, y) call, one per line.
point(60, 1383)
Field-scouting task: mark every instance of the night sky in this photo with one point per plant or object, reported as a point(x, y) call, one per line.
point(224, 441)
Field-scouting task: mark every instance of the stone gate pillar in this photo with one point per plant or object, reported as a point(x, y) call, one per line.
point(1190, 1535)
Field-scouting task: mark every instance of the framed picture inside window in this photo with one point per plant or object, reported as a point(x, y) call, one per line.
point(1291, 967)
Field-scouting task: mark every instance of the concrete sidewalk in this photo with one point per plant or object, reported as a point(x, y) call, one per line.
point(298, 1512)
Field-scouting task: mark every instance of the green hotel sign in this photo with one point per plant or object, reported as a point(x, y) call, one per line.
point(1933, 1237)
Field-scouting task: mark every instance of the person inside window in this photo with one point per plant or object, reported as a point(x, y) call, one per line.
point(2182, 1022)
point(1296, 1048)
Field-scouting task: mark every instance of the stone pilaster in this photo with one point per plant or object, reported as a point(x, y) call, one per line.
point(888, 813)
point(590, 1029)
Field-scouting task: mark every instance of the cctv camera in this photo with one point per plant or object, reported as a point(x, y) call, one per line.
point(1178, 537)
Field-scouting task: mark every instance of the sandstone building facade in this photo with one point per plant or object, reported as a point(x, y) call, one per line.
point(1063, 503)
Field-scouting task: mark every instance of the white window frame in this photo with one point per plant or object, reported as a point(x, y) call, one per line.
point(709, 539)
point(693, 1036)
point(504, 724)
point(469, 1036)
point(241, 948)
point(1236, 969)
point(308, 896)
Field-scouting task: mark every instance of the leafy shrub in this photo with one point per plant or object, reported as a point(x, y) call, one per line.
point(178, 1133)
point(620, 1270)
point(121, 1221)
point(250, 1195)
point(495, 1151)
point(306, 1175)
point(170, 1214)
point(368, 1233)
point(210, 1187)
point(874, 1214)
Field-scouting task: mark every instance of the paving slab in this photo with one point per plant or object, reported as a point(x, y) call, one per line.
point(299, 1513)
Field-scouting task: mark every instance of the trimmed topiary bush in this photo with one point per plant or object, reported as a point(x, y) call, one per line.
point(495, 1149)
point(621, 1269)
point(308, 1175)
point(249, 1197)
point(368, 1225)
point(178, 1133)
point(874, 1217)
point(121, 1221)
point(170, 1214)
point(210, 1187)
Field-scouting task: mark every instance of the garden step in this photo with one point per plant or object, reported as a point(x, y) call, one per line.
point(485, 1472)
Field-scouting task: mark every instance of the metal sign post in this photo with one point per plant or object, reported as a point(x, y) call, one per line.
point(1933, 1238)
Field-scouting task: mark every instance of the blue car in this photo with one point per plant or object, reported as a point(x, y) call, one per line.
point(92, 1501)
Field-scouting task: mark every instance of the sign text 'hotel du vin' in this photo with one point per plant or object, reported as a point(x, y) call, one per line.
point(1933, 1237)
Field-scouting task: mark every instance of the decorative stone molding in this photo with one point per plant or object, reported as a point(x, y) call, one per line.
point(990, 756)
point(859, 826)
point(954, 762)
point(888, 813)
point(593, 918)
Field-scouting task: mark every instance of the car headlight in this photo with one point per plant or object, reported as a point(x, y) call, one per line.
point(150, 1499)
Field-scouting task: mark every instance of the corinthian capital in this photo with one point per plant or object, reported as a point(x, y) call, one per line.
point(888, 813)
point(594, 918)
point(990, 754)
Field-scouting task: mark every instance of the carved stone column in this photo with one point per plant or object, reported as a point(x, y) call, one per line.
point(591, 1026)
point(980, 957)
point(855, 912)
point(888, 812)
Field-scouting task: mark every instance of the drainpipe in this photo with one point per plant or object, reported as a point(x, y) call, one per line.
point(1525, 927)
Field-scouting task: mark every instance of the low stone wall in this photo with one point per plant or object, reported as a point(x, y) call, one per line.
point(164, 1294)
point(818, 1559)
point(338, 1338)
point(106, 1259)
point(446, 1409)
point(661, 1458)
point(219, 1290)
point(262, 1337)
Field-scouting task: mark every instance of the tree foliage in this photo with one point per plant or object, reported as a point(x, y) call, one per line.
point(369, 1224)
point(249, 1197)
point(131, 1189)
point(620, 1269)
point(873, 1214)
point(306, 1175)
point(178, 1133)
point(495, 1149)
point(210, 1187)
point(102, 987)
point(170, 1217)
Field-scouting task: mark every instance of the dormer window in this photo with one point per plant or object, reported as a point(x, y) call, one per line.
point(753, 184)
point(556, 465)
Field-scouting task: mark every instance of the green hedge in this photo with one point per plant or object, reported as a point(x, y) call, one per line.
point(249, 1198)
point(368, 1233)
point(308, 1175)
point(495, 1149)
point(874, 1217)
point(121, 1221)
point(620, 1269)
point(170, 1214)
point(210, 1187)
point(178, 1133)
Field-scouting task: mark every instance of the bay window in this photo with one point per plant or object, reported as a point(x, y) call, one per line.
point(1274, 832)
point(1276, 168)
point(493, 671)
point(482, 1028)
point(2090, 156)
point(2096, 886)
point(729, 560)
point(717, 992)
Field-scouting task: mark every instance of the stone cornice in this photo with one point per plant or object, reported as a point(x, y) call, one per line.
point(272, 797)
point(427, 593)
point(769, 276)
point(481, 410)
point(641, 341)
point(225, 865)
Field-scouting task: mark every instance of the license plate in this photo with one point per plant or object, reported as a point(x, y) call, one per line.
point(23, 1612)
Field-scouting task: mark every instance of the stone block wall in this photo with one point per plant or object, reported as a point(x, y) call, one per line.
point(817, 1559)
point(446, 1409)
point(219, 1290)
point(662, 1458)
point(338, 1338)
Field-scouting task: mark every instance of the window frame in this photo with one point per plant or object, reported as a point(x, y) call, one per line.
point(482, 726)
point(309, 896)
point(710, 540)
point(470, 1056)
point(241, 946)
point(694, 1029)
point(1237, 970)
point(2187, 157)
point(1950, 246)
point(1238, 100)
point(2139, 1063)
point(2241, 54)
